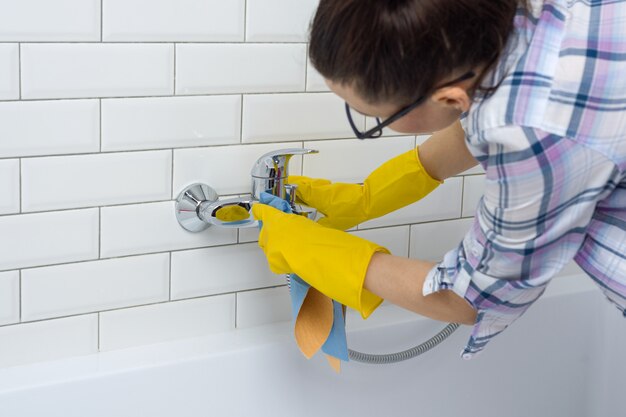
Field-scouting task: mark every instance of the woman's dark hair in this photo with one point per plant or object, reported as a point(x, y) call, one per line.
point(398, 50)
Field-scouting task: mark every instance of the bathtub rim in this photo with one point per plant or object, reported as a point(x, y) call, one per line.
point(101, 364)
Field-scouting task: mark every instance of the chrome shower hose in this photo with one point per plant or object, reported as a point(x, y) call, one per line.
point(386, 358)
point(383, 359)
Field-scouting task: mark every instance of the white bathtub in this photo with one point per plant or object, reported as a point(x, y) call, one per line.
point(564, 358)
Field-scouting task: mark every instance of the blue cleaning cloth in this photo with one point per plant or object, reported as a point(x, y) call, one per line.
point(336, 345)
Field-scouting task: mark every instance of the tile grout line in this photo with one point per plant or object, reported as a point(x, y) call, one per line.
point(19, 68)
point(175, 48)
point(306, 68)
point(192, 147)
point(20, 296)
point(133, 306)
point(196, 147)
point(98, 332)
point(20, 185)
point(164, 96)
point(85, 208)
point(236, 299)
point(169, 200)
point(13, 325)
point(410, 225)
point(171, 251)
point(241, 122)
point(169, 295)
point(99, 233)
point(302, 164)
point(152, 42)
point(101, 20)
point(120, 151)
point(462, 196)
point(172, 177)
point(112, 258)
point(245, 20)
point(100, 122)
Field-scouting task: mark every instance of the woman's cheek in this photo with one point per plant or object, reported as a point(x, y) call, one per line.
point(408, 125)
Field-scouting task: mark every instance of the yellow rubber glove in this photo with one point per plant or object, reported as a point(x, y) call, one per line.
point(395, 184)
point(332, 261)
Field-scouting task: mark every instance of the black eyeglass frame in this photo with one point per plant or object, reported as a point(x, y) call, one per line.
point(377, 130)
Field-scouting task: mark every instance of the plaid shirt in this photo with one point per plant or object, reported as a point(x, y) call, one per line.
point(552, 140)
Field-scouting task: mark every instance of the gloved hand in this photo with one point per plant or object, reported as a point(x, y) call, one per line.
point(332, 261)
point(395, 184)
point(319, 322)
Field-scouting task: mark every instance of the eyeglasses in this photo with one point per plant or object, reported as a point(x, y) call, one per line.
point(377, 130)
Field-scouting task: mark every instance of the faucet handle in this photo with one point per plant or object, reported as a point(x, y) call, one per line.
point(289, 152)
point(275, 164)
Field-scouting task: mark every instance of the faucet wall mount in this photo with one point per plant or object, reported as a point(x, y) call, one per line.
point(197, 206)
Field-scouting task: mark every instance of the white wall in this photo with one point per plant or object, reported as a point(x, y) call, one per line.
point(108, 108)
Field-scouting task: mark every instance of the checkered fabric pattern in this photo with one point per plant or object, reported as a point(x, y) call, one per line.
point(552, 141)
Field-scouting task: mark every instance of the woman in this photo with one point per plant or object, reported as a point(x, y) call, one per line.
point(540, 87)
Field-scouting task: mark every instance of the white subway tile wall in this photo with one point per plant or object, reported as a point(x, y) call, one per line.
point(9, 297)
point(108, 109)
point(9, 71)
point(166, 321)
point(249, 234)
point(150, 228)
point(352, 160)
point(74, 70)
point(48, 238)
point(442, 204)
point(396, 239)
point(473, 189)
point(60, 182)
point(276, 117)
point(65, 290)
point(255, 308)
point(239, 68)
point(172, 21)
point(9, 186)
point(314, 80)
point(477, 169)
point(225, 168)
point(170, 122)
point(49, 127)
point(278, 20)
point(431, 241)
point(48, 340)
point(220, 270)
point(50, 20)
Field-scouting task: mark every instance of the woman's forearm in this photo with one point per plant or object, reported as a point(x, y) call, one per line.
point(400, 280)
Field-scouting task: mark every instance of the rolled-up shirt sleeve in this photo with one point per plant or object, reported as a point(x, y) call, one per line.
point(541, 191)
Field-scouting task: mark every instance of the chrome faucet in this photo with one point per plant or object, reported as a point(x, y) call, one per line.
point(198, 206)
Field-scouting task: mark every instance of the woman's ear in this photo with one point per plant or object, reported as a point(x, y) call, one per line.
point(455, 97)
